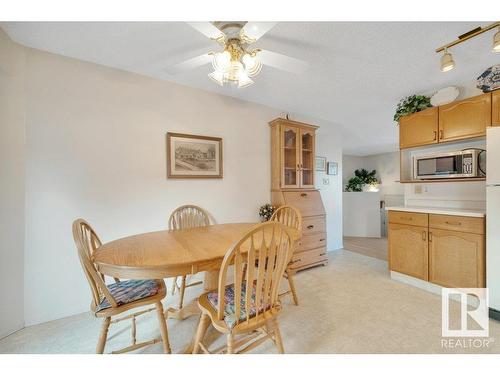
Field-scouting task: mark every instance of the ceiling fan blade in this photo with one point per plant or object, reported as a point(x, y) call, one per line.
point(255, 30)
point(189, 64)
point(207, 29)
point(279, 61)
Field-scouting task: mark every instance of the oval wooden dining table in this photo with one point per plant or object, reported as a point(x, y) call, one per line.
point(170, 253)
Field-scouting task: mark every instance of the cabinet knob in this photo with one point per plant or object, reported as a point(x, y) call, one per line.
point(310, 226)
point(303, 195)
point(321, 239)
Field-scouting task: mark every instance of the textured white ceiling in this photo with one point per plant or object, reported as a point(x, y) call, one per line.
point(358, 70)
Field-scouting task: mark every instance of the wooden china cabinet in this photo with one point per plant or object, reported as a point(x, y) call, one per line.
point(292, 183)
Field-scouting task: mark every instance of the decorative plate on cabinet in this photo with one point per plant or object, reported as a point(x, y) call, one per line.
point(444, 96)
point(490, 79)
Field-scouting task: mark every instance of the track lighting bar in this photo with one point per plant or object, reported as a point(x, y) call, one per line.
point(469, 35)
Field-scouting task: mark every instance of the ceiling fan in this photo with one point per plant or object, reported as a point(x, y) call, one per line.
point(237, 61)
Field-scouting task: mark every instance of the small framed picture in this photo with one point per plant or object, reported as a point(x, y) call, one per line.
point(320, 163)
point(333, 168)
point(193, 156)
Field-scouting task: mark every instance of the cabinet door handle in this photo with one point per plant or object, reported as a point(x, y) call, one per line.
point(310, 226)
point(303, 195)
point(453, 223)
point(435, 135)
point(322, 254)
point(430, 236)
point(321, 239)
point(441, 134)
point(424, 236)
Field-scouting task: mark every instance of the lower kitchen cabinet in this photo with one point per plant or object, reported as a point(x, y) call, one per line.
point(456, 259)
point(408, 250)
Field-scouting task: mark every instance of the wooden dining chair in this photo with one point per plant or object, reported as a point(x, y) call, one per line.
point(246, 311)
point(291, 217)
point(121, 296)
point(185, 217)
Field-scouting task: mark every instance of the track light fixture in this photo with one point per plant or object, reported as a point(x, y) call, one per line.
point(447, 62)
point(496, 41)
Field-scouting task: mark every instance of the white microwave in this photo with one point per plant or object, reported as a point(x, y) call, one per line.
point(456, 164)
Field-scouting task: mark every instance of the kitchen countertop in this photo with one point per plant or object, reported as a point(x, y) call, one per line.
point(439, 210)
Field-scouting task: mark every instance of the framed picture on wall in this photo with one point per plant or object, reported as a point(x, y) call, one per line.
point(333, 168)
point(320, 163)
point(193, 156)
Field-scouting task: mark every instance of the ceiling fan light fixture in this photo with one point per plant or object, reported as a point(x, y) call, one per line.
point(218, 77)
point(244, 80)
point(221, 61)
point(447, 62)
point(252, 64)
point(496, 41)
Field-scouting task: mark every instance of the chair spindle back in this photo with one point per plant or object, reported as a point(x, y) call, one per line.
point(188, 216)
point(87, 241)
point(269, 244)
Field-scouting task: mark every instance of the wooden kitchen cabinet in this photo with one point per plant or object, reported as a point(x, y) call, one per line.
point(495, 108)
point(408, 250)
point(419, 128)
point(447, 250)
point(456, 259)
point(467, 118)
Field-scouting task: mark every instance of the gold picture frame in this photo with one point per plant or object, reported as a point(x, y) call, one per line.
point(194, 156)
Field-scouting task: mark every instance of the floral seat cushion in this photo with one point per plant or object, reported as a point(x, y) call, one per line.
point(229, 307)
point(129, 291)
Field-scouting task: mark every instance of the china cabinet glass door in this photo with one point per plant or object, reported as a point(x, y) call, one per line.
point(306, 166)
point(290, 157)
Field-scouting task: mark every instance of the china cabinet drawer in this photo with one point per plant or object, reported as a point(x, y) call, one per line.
point(313, 225)
point(308, 202)
point(311, 241)
point(408, 218)
point(309, 257)
point(457, 223)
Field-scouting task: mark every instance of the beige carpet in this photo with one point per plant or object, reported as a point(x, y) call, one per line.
point(349, 306)
point(369, 246)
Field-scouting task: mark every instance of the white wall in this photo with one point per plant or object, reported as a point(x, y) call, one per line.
point(96, 149)
point(11, 185)
point(361, 214)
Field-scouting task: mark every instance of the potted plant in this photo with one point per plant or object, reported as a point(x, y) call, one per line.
point(411, 104)
point(361, 179)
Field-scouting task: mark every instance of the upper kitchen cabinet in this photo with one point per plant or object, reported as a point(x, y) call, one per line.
point(495, 108)
point(419, 129)
point(466, 118)
point(293, 150)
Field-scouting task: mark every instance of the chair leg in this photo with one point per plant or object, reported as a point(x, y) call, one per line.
point(289, 277)
point(174, 285)
point(200, 332)
point(277, 337)
point(181, 291)
point(103, 336)
point(163, 327)
point(230, 343)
